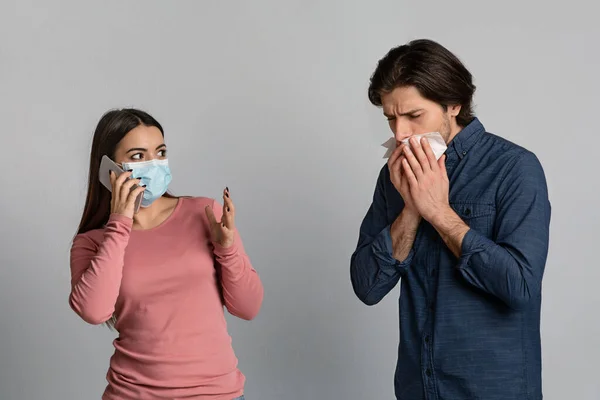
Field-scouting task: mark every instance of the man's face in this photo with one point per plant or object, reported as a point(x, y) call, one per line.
point(409, 114)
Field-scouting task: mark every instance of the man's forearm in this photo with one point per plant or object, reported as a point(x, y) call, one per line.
point(403, 232)
point(452, 229)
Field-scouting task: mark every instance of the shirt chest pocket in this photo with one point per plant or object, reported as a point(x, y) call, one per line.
point(479, 216)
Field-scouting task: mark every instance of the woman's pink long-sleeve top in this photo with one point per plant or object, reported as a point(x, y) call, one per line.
point(167, 287)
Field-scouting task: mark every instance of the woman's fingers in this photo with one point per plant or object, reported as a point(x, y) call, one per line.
point(228, 210)
point(127, 187)
point(122, 178)
point(124, 193)
point(134, 194)
point(117, 181)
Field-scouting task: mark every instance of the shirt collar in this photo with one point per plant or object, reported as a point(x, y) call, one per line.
point(466, 138)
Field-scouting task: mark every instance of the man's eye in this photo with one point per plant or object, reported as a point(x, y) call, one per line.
point(415, 116)
point(391, 118)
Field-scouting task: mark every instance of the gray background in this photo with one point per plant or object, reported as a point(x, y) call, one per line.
point(269, 98)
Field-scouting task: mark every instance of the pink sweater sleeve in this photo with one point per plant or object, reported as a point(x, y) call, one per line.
point(96, 271)
point(242, 288)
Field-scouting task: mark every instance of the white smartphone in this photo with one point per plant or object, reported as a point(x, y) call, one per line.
point(107, 165)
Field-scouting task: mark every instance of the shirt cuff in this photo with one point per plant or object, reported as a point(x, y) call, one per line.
point(473, 243)
point(225, 252)
point(120, 221)
point(383, 251)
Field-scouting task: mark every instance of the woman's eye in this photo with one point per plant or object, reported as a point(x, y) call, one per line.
point(137, 156)
point(162, 153)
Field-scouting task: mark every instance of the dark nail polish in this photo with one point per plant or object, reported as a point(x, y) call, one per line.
point(228, 209)
point(143, 185)
point(223, 224)
point(227, 188)
point(129, 170)
point(226, 194)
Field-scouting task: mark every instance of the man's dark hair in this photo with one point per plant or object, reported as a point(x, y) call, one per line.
point(437, 74)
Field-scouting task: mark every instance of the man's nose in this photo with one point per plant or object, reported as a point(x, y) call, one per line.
point(401, 135)
point(401, 131)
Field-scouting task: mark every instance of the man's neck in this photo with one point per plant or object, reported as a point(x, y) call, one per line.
point(454, 130)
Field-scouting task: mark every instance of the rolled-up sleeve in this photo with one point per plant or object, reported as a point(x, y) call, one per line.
point(373, 269)
point(511, 266)
point(382, 251)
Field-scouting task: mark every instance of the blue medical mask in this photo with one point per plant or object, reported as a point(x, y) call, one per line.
point(155, 174)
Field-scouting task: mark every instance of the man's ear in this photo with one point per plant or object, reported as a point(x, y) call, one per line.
point(454, 110)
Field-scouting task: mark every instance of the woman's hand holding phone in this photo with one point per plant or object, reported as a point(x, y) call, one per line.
point(123, 197)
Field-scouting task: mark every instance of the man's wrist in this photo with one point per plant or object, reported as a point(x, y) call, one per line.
point(446, 220)
point(410, 217)
point(403, 231)
point(451, 228)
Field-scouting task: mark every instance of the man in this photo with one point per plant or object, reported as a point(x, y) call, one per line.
point(468, 235)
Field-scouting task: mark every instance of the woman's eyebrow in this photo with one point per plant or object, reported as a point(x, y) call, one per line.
point(136, 149)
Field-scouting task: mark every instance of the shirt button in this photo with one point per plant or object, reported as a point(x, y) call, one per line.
point(464, 153)
point(428, 372)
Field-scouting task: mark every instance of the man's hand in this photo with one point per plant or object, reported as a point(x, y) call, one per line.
point(404, 228)
point(429, 187)
point(399, 179)
point(427, 179)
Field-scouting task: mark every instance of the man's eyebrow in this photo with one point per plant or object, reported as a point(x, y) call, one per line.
point(416, 110)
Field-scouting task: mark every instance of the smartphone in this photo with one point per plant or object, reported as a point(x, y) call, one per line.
point(107, 165)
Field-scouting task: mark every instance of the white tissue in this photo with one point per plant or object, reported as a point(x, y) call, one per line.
point(436, 141)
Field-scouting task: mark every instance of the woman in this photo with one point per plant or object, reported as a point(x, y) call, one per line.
point(160, 276)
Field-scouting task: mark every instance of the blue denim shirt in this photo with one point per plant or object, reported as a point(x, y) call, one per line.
point(469, 327)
